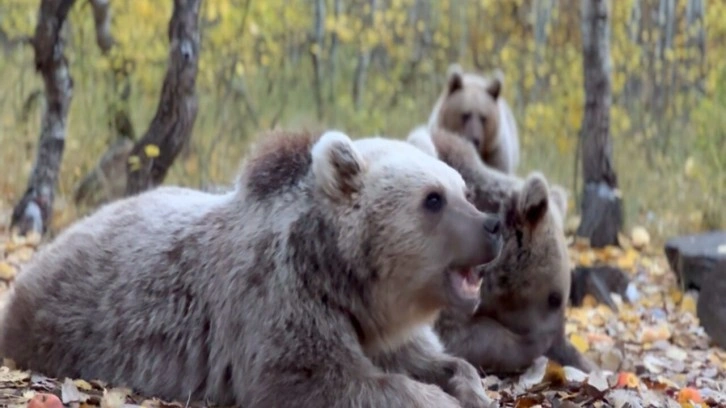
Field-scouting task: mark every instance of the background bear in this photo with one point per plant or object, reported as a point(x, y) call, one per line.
point(472, 106)
point(314, 283)
point(525, 290)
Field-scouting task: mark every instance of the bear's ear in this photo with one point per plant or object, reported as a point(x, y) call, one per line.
point(421, 138)
point(558, 195)
point(454, 78)
point(337, 166)
point(534, 199)
point(494, 87)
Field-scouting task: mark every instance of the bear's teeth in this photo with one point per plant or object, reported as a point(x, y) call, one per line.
point(470, 283)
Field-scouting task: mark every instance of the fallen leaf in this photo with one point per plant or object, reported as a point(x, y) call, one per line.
point(580, 343)
point(21, 255)
point(598, 380)
point(528, 402)
point(114, 398)
point(676, 353)
point(7, 271)
point(689, 394)
point(83, 385)
point(69, 392)
point(640, 237)
point(572, 374)
point(654, 333)
point(534, 374)
point(627, 379)
point(13, 376)
point(688, 304)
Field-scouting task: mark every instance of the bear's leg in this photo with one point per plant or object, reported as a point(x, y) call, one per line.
point(564, 353)
point(423, 358)
point(489, 345)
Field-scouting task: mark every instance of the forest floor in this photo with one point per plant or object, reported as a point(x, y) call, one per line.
point(653, 353)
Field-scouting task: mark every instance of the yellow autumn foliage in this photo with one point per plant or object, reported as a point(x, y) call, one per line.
point(256, 71)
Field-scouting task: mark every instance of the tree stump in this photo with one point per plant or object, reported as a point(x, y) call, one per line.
point(711, 306)
point(698, 260)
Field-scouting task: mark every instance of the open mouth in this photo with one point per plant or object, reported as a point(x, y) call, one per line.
point(466, 282)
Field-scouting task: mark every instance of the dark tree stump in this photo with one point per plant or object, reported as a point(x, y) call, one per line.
point(171, 127)
point(601, 206)
point(600, 282)
point(602, 214)
point(711, 306)
point(696, 259)
point(34, 210)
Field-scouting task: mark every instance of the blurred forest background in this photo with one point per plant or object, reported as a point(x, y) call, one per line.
point(377, 67)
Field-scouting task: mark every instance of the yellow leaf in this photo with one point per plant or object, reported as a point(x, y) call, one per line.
point(21, 255)
point(676, 295)
point(589, 301)
point(654, 333)
point(580, 343)
point(151, 150)
point(688, 304)
point(134, 163)
point(82, 385)
point(7, 271)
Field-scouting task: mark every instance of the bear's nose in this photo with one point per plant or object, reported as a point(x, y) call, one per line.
point(492, 225)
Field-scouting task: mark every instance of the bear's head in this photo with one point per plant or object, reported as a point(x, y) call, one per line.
point(404, 217)
point(534, 266)
point(468, 107)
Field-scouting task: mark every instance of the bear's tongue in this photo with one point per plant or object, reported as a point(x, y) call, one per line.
point(469, 282)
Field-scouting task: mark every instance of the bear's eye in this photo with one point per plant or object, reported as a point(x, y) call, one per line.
point(465, 116)
point(434, 202)
point(483, 119)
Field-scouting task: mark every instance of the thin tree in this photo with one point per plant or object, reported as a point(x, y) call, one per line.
point(33, 211)
point(171, 127)
point(602, 215)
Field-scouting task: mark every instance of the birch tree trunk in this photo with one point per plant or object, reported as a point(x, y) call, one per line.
point(34, 210)
point(171, 127)
point(542, 18)
point(695, 12)
point(364, 59)
point(333, 55)
point(601, 204)
point(318, 38)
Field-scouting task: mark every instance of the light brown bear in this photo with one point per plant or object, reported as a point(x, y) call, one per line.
point(473, 107)
point(525, 291)
point(314, 283)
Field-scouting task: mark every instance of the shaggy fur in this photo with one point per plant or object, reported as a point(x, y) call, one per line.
point(313, 283)
point(473, 107)
point(525, 291)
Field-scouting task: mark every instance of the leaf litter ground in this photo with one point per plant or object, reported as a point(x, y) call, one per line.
point(652, 351)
